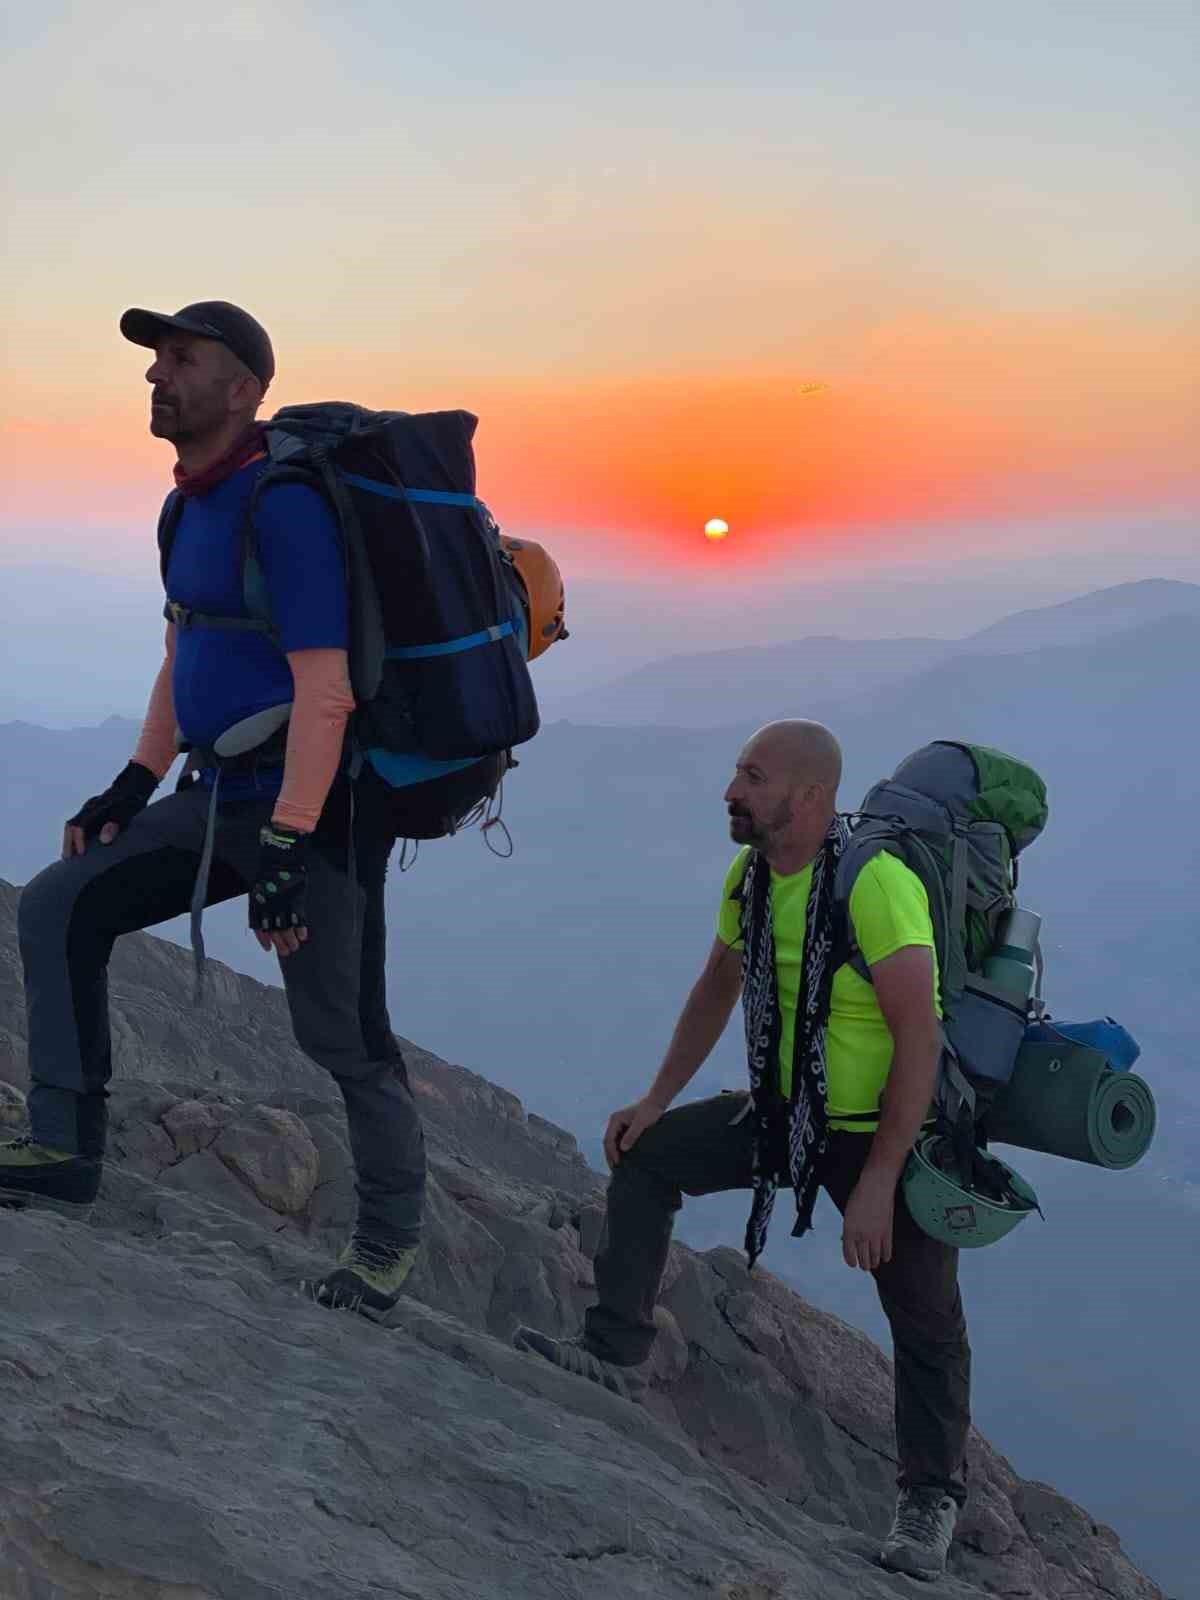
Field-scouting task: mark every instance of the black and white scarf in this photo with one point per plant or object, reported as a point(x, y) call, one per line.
point(789, 1134)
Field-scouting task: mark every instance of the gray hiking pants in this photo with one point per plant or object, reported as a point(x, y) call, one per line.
point(71, 913)
point(707, 1147)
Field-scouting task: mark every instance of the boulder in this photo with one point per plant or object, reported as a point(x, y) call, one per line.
point(192, 1125)
point(273, 1153)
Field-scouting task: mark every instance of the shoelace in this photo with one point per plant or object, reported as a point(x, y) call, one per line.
point(372, 1255)
point(579, 1359)
point(585, 1363)
point(367, 1253)
point(22, 1142)
point(918, 1519)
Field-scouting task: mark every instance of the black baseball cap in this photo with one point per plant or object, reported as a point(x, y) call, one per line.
point(236, 329)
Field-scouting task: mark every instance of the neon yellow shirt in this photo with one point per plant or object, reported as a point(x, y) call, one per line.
point(890, 911)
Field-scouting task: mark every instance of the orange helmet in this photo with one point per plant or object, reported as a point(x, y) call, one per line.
point(545, 598)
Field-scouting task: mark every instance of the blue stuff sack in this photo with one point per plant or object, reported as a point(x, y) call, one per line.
point(1105, 1034)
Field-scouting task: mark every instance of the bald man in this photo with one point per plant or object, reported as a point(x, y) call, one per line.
point(872, 1048)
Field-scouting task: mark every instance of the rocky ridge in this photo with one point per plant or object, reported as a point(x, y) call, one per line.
point(180, 1424)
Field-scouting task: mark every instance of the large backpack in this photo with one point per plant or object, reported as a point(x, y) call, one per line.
point(958, 815)
point(437, 663)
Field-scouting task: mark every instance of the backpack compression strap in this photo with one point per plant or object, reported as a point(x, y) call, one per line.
point(435, 497)
point(293, 463)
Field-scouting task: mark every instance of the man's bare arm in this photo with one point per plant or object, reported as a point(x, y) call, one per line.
point(156, 748)
point(904, 988)
point(701, 1023)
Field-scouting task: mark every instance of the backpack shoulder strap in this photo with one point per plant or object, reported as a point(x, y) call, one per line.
point(254, 583)
point(290, 463)
point(168, 522)
point(876, 836)
point(866, 842)
point(737, 893)
point(259, 620)
point(954, 1098)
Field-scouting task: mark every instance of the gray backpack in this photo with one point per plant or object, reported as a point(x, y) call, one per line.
point(958, 815)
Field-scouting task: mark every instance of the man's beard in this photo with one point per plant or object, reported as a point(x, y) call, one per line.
point(168, 421)
point(164, 419)
point(746, 829)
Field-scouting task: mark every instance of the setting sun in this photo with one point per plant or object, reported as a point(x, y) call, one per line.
point(716, 528)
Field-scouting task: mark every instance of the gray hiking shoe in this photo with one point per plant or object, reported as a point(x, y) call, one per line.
point(921, 1533)
point(578, 1358)
point(368, 1277)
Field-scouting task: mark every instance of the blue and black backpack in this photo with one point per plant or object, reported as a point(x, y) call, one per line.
point(437, 631)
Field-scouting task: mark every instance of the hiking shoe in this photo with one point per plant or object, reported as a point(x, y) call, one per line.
point(578, 1358)
point(54, 1180)
point(368, 1277)
point(921, 1533)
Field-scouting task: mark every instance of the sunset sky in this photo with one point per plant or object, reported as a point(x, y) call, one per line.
point(853, 277)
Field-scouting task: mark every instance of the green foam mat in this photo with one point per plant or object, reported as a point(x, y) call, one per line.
point(1065, 1100)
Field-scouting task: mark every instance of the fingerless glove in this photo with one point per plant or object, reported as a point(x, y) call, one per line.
point(277, 894)
point(126, 795)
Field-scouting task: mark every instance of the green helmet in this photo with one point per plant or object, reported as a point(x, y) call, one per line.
point(966, 1217)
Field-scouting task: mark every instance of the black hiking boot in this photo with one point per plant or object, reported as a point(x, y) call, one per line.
point(577, 1357)
point(52, 1180)
point(368, 1277)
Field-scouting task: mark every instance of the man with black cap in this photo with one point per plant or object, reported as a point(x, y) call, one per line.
point(262, 810)
point(200, 352)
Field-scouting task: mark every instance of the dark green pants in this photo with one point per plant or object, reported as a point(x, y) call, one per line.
point(707, 1148)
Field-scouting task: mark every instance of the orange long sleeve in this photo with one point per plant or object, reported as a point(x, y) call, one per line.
point(320, 711)
point(156, 746)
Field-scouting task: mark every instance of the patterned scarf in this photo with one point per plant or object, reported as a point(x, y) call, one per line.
point(249, 447)
point(789, 1134)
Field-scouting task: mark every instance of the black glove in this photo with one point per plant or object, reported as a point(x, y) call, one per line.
point(277, 895)
point(126, 795)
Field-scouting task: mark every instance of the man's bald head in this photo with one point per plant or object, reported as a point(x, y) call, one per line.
point(804, 752)
point(784, 792)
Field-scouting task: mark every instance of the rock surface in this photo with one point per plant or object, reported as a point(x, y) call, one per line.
point(180, 1424)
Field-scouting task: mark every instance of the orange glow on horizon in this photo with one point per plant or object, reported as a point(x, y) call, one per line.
point(939, 422)
point(969, 419)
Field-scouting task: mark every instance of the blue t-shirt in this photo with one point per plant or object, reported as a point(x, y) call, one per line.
point(222, 675)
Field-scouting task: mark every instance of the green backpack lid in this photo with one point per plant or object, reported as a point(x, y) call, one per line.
point(1010, 792)
point(978, 783)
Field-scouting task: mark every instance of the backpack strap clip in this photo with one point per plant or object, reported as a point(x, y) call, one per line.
point(184, 617)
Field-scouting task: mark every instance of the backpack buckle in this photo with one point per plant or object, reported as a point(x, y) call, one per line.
point(177, 613)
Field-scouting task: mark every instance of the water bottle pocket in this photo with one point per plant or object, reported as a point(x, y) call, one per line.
point(987, 1029)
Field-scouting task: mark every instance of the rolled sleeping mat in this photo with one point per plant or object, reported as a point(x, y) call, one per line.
point(1064, 1099)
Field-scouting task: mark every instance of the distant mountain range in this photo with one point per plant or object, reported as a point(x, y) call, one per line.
point(716, 688)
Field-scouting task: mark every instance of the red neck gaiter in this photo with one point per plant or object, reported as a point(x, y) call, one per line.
point(249, 448)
